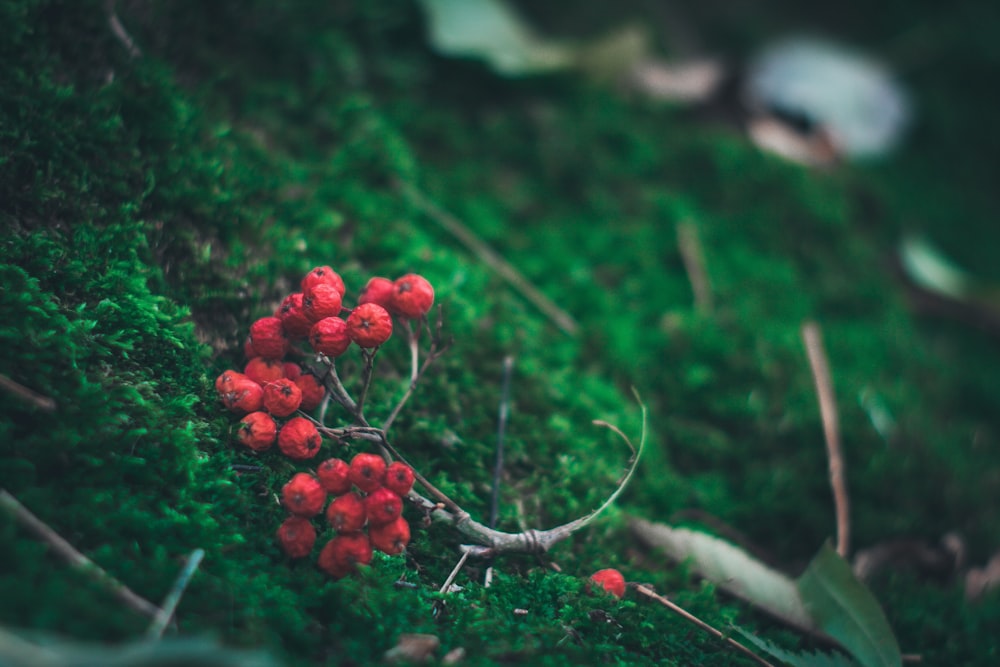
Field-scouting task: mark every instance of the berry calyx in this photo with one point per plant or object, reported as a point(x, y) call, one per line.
point(413, 297)
point(329, 336)
point(263, 370)
point(369, 325)
point(367, 471)
point(383, 506)
point(297, 536)
point(378, 290)
point(322, 300)
point(334, 475)
point(346, 514)
point(282, 397)
point(323, 274)
point(611, 580)
point(312, 391)
point(390, 538)
point(293, 317)
point(341, 555)
point(298, 439)
point(258, 431)
point(303, 495)
point(268, 338)
point(398, 478)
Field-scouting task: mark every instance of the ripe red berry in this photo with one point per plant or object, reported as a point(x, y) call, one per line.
point(380, 291)
point(610, 580)
point(312, 391)
point(329, 337)
point(298, 439)
point(323, 274)
point(226, 380)
point(262, 370)
point(257, 431)
point(297, 536)
point(248, 350)
point(243, 395)
point(369, 325)
point(321, 301)
point(341, 555)
point(292, 370)
point(303, 495)
point(334, 475)
point(346, 513)
point(383, 506)
point(282, 397)
point(390, 538)
point(414, 296)
point(293, 317)
point(367, 471)
point(268, 338)
point(398, 478)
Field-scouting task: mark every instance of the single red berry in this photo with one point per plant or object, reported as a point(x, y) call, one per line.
point(257, 431)
point(344, 553)
point(226, 379)
point(367, 471)
point(303, 495)
point(248, 350)
point(292, 370)
point(329, 337)
point(610, 580)
point(334, 475)
point(268, 338)
point(346, 513)
point(398, 478)
point(293, 317)
point(323, 274)
point(298, 439)
point(390, 538)
point(243, 395)
point(369, 325)
point(263, 371)
point(380, 291)
point(414, 296)
point(312, 391)
point(321, 301)
point(282, 397)
point(383, 506)
point(297, 536)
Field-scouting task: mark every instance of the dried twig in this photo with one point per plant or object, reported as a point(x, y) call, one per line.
point(454, 573)
point(30, 395)
point(688, 616)
point(508, 365)
point(689, 245)
point(831, 430)
point(490, 257)
point(166, 612)
point(74, 557)
point(118, 30)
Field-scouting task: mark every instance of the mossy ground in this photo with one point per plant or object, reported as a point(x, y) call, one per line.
point(153, 207)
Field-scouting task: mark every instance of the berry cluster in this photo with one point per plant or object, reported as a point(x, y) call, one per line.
point(366, 493)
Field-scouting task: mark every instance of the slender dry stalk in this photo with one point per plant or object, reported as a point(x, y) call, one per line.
point(119, 31)
point(689, 244)
point(169, 606)
point(30, 395)
point(813, 340)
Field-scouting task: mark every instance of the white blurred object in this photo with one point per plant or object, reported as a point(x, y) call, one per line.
point(854, 99)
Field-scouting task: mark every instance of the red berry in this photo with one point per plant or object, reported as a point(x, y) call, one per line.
point(346, 513)
point(297, 536)
point(367, 471)
point(390, 538)
point(303, 495)
point(334, 475)
point(323, 274)
point(369, 325)
point(344, 553)
point(414, 296)
point(312, 392)
point(398, 478)
point(248, 350)
point(610, 580)
point(380, 291)
point(292, 370)
point(268, 338)
point(226, 380)
point(293, 317)
point(321, 301)
point(282, 397)
point(383, 506)
point(329, 337)
point(298, 439)
point(257, 431)
point(262, 371)
point(243, 395)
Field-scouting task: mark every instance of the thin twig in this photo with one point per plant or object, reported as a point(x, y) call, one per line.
point(366, 378)
point(693, 257)
point(454, 573)
point(508, 365)
point(118, 30)
point(166, 612)
point(691, 618)
point(813, 340)
point(490, 257)
point(39, 401)
point(74, 557)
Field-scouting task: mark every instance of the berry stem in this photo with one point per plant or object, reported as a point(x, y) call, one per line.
point(366, 381)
